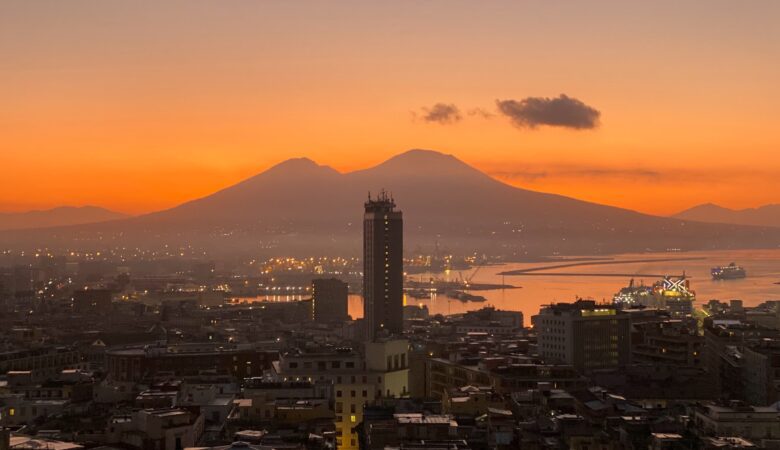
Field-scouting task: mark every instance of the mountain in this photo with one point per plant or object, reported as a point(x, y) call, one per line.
point(301, 207)
point(63, 215)
point(767, 215)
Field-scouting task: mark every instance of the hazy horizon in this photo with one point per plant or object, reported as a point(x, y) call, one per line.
point(140, 106)
point(498, 176)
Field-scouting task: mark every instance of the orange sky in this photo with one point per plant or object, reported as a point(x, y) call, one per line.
point(140, 105)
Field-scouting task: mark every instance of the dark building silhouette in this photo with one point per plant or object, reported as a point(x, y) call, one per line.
point(329, 300)
point(382, 267)
point(138, 363)
point(92, 301)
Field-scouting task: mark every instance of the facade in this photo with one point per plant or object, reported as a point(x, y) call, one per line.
point(385, 428)
point(656, 338)
point(507, 319)
point(472, 401)
point(329, 300)
point(43, 362)
point(138, 363)
point(761, 372)
point(382, 267)
point(742, 360)
point(586, 335)
point(156, 429)
point(750, 422)
point(350, 379)
point(442, 376)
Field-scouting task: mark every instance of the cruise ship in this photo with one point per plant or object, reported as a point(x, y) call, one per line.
point(730, 272)
point(673, 294)
point(633, 296)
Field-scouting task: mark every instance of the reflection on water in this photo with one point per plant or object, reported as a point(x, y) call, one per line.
point(763, 268)
point(270, 298)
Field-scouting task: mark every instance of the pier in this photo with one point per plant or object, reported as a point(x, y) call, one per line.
point(535, 270)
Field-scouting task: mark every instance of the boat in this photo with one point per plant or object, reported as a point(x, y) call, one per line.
point(632, 296)
point(730, 272)
point(465, 296)
point(675, 295)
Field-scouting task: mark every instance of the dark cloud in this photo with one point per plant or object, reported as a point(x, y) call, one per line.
point(562, 111)
point(442, 113)
point(479, 112)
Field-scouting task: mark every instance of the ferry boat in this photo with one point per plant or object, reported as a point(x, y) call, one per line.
point(730, 272)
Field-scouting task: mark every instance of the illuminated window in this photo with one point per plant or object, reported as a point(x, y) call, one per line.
point(353, 418)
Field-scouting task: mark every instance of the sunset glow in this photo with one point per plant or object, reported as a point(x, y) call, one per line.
point(139, 106)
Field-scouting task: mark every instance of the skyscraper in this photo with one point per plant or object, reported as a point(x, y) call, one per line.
point(382, 267)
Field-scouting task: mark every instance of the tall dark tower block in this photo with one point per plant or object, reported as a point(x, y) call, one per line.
point(383, 268)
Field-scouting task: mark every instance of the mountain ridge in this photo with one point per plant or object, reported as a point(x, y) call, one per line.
point(57, 216)
point(765, 215)
point(299, 205)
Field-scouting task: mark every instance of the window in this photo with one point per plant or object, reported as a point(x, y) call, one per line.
point(350, 364)
point(352, 394)
point(336, 364)
point(293, 365)
point(352, 408)
point(365, 393)
point(338, 393)
point(353, 418)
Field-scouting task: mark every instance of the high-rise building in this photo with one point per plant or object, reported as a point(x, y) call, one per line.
point(329, 300)
point(382, 267)
point(584, 334)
